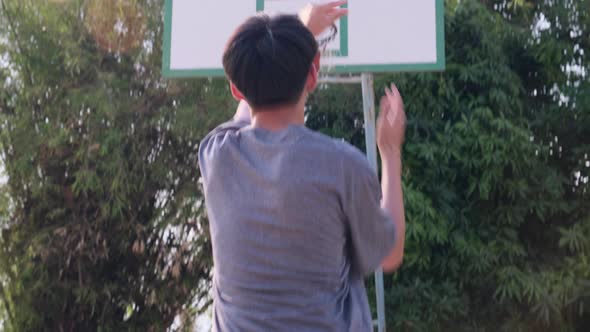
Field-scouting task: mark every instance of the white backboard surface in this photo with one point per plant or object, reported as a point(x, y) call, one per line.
point(377, 35)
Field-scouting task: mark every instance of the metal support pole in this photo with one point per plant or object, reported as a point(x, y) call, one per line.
point(369, 111)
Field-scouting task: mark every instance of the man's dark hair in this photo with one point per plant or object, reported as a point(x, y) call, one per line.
point(268, 59)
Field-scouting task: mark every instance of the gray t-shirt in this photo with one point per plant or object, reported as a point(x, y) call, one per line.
point(296, 224)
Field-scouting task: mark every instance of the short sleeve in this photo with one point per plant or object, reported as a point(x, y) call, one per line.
point(371, 228)
point(214, 141)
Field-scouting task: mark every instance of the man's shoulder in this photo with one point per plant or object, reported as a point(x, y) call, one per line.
point(220, 133)
point(216, 140)
point(229, 127)
point(350, 155)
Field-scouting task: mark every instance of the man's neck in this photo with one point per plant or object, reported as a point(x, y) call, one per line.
point(279, 118)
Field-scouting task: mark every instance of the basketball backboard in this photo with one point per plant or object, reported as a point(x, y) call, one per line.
point(377, 35)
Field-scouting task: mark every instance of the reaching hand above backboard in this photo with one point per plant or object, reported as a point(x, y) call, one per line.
point(318, 18)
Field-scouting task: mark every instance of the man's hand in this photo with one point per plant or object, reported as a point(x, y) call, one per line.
point(317, 18)
point(391, 128)
point(391, 125)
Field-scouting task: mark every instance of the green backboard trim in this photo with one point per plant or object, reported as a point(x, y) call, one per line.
point(344, 34)
point(166, 71)
point(439, 65)
point(440, 35)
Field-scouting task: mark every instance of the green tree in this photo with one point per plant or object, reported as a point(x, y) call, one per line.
point(103, 225)
point(108, 231)
point(496, 172)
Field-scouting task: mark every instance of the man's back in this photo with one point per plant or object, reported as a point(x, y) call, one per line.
point(295, 224)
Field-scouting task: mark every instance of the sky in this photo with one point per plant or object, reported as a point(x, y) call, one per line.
point(3, 177)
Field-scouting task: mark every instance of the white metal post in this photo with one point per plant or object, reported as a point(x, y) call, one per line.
point(369, 111)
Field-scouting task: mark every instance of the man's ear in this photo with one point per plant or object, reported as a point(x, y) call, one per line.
point(313, 76)
point(235, 92)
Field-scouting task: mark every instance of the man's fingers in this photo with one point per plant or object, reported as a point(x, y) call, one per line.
point(394, 89)
point(391, 117)
point(384, 104)
point(389, 93)
point(387, 112)
point(394, 94)
point(335, 4)
point(399, 106)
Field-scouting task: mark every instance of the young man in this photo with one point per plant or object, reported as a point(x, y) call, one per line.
point(297, 218)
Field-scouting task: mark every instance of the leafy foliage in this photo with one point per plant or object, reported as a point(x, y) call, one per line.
point(495, 172)
point(103, 225)
point(108, 230)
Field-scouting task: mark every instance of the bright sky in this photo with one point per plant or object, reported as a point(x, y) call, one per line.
point(3, 177)
point(3, 63)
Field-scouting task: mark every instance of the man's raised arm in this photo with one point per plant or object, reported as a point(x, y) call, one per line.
point(390, 137)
